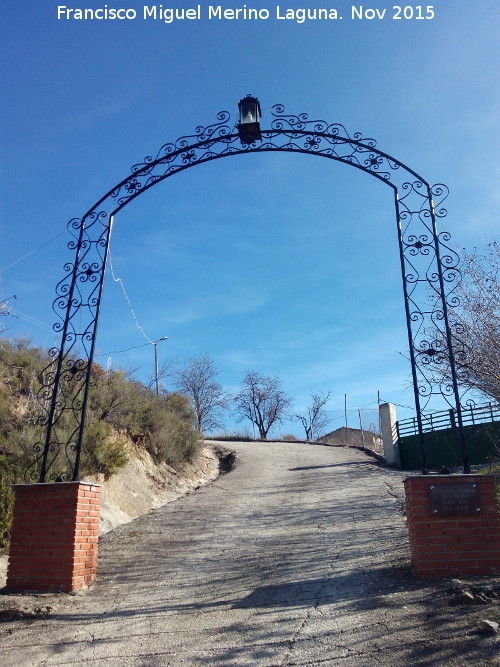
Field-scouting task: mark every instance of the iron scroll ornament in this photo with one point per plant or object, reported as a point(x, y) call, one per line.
point(427, 263)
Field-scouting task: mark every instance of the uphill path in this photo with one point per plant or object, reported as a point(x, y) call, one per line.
point(298, 556)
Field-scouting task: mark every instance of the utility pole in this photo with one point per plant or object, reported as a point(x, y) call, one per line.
point(379, 417)
point(155, 343)
point(345, 417)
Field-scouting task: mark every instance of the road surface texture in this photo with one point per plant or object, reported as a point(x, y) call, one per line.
point(298, 556)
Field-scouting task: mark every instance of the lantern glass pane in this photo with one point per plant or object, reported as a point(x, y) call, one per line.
point(248, 112)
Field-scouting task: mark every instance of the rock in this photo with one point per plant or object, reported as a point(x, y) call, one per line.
point(19, 613)
point(10, 614)
point(463, 593)
point(464, 596)
point(490, 627)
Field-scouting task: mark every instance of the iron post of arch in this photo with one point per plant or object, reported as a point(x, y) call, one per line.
point(428, 266)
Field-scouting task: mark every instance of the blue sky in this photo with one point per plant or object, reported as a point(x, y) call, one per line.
point(273, 262)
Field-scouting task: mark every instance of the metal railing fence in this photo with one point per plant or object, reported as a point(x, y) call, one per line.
point(444, 419)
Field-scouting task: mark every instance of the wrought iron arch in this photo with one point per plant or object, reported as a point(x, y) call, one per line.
point(427, 262)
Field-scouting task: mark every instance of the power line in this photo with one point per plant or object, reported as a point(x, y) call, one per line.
point(42, 325)
point(31, 320)
point(31, 252)
point(119, 280)
point(351, 412)
point(134, 347)
point(398, 405)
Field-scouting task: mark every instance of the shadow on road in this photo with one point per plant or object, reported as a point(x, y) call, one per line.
point(308, 565)
point(336, 465)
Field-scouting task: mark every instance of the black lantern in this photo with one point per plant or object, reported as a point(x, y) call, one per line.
point(249, 125)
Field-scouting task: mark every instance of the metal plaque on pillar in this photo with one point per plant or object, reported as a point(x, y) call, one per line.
point(455, 498)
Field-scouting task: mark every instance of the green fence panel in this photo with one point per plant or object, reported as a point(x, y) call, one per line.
point(442, 448)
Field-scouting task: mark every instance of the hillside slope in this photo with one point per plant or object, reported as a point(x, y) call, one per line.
point(143, 485)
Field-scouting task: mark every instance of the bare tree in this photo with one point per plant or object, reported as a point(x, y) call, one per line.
point(196, 380)
point(262, 401)
point(316, 419)
point(165, 370)
point(475, 322)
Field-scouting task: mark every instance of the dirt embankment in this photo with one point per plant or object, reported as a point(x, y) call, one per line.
point(144, 485)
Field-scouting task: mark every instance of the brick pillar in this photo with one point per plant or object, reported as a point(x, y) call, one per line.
point(454, 524)
point(54, 536)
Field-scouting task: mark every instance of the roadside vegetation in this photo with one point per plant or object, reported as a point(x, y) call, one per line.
point(475, 323)
point(121, 411)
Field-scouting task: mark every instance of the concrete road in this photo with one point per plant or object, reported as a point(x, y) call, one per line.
point(298, 556)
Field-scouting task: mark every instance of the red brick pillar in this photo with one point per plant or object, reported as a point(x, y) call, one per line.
point(54, 536)
point(454, 524)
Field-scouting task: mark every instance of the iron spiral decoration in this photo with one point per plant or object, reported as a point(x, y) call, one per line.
point(428, 264)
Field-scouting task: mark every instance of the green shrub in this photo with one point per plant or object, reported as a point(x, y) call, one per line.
point(232, 437)
point(10, 473)
point(174, 441)
point(103, 450)
point(180, 404)
point(118, 407)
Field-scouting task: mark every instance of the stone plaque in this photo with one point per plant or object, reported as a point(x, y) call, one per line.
point(459, 498)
